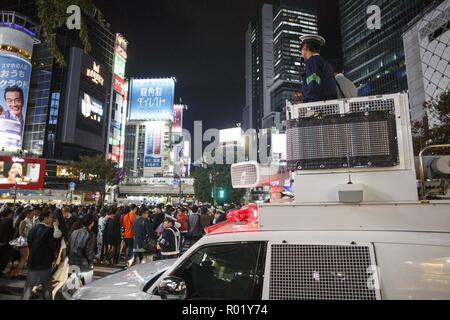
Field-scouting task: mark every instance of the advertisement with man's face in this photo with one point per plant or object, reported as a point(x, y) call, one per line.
point(15, 76)
point(25, 174)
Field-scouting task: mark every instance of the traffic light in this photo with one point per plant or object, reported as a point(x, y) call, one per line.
point(221, 195)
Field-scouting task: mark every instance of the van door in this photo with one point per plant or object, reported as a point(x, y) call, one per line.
point(224, 271)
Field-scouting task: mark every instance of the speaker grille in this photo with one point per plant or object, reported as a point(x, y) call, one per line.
point(321, 272)
point(244, 175)
point(340, 141)
point(372, 105)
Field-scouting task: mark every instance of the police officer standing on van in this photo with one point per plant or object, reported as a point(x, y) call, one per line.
point(319, 83)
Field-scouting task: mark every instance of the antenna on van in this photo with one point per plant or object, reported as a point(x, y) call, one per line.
point(348, 167)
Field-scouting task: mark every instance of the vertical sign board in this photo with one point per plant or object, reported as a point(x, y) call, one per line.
point(152, 99)
point(154, 145)
point(15, 74)
point(177, 126)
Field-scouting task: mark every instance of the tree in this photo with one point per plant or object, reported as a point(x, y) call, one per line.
point(98, 171)
point(53, 15)
point(435, 127)
point(203, 186)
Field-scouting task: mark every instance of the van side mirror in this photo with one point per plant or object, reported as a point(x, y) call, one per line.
point(172, 288)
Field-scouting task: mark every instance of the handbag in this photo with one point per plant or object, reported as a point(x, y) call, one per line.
point(150, 245)
point(19, 243)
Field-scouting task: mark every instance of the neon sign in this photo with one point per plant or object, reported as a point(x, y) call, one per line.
point(94, 74)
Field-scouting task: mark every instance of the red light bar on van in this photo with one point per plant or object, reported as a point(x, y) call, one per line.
point(245, 214)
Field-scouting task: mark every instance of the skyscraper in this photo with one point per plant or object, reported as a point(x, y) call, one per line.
point(291, 20)
point(374, 58)
point(259, 67)
point(69, 106)
point(54, 127)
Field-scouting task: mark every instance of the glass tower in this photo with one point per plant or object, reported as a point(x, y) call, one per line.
point(374, 59)
point(289, 24)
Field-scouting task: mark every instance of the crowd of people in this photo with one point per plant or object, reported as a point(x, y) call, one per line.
point(47, 239)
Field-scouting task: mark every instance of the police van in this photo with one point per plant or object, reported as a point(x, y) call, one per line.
point(357, 230)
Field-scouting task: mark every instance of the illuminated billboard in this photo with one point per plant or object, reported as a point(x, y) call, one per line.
point(15, 74)
point(90, 115)
point(119, 65)
point(177, 125)
point(119, 85)
point(233, 135)
point(22, 173)
point(152, 99)
point(154, 145)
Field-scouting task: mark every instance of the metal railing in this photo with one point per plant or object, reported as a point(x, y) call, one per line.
point(14, 19)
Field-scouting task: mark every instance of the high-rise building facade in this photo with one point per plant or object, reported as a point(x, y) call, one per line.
point(427, 45)
point(118, 115)
point(374, 58)
point(55, 127)
point(259, 67)
point(70, 106)
point(289, 23)
point(148, 134)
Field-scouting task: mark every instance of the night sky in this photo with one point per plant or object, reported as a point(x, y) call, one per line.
point(202, 44)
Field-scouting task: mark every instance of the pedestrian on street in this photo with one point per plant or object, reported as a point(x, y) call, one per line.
point(41, 241)
point(183, 220)
point(219, 216)
point(195, 232)
point(68, 217)
point(112, 237)
point(81, 249)
point(206, 220)
point(101, 230)
point(158, 217)
point(143, 232)
point(36, 213)
point(128, 222)
point(24, 224)
point(6, 235)
point(169, 242)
